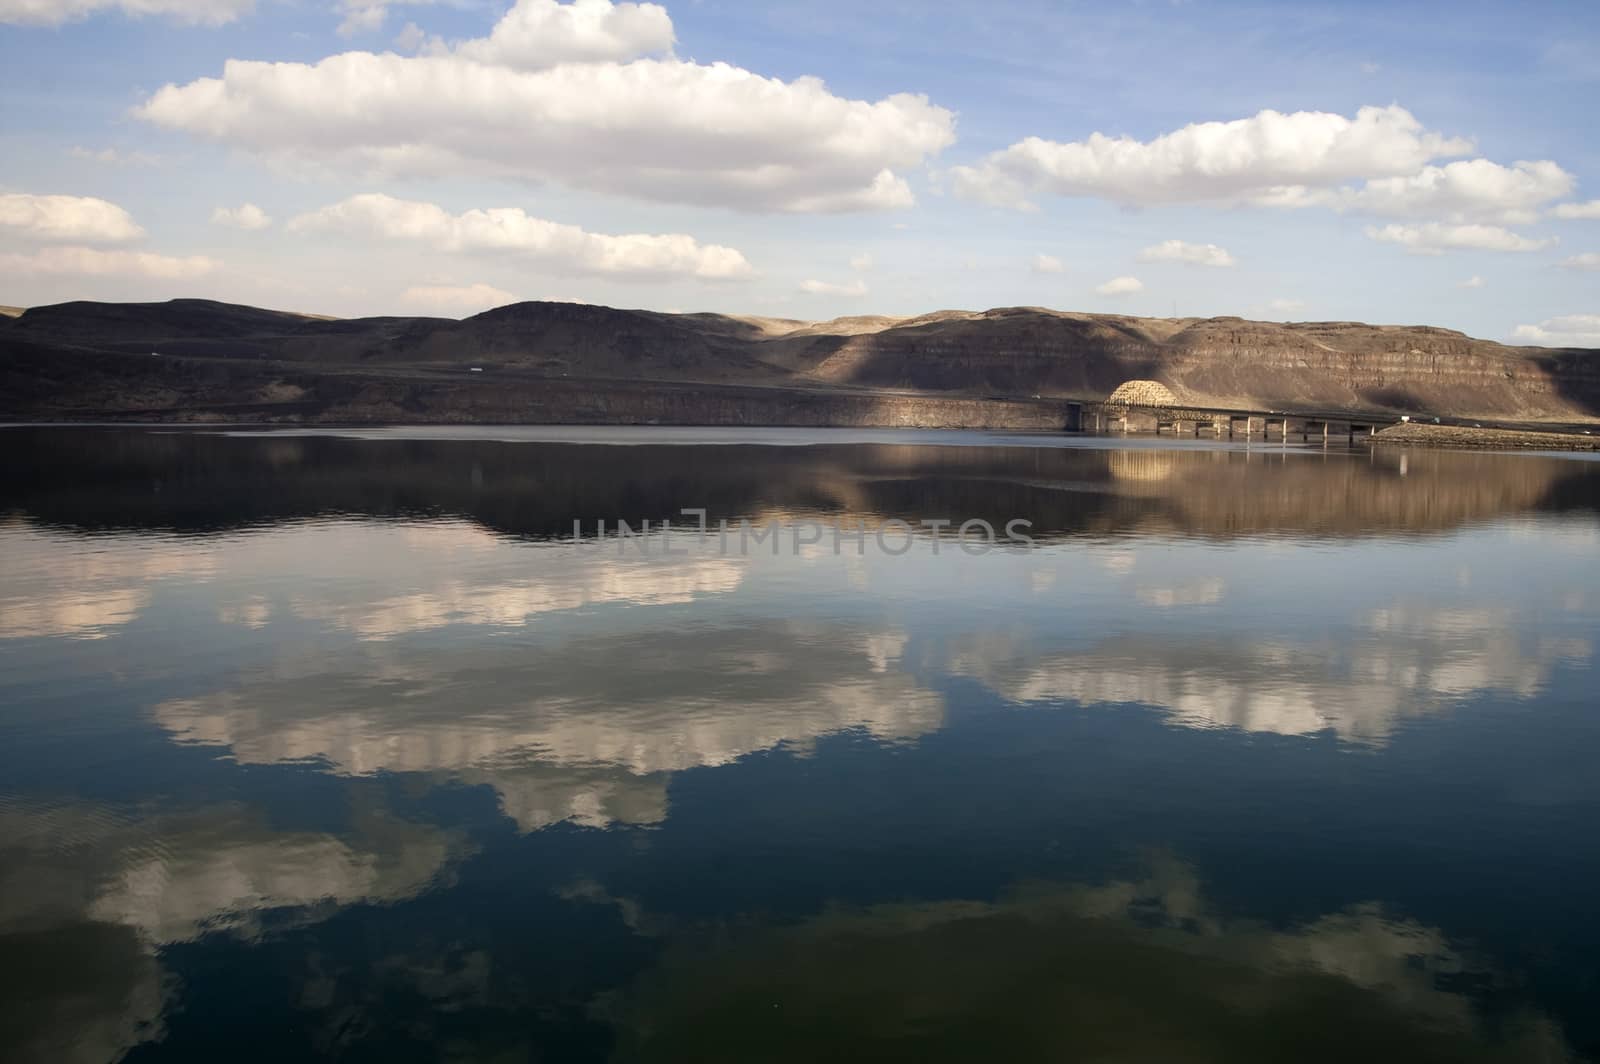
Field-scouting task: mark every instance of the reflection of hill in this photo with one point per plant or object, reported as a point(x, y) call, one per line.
point(136, 479)
point(1136, 970)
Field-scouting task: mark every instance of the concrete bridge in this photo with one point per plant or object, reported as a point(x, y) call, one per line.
point(1109, 418)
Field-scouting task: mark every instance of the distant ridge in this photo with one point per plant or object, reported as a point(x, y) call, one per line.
point(94, 359)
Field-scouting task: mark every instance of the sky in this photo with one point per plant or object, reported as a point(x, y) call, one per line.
point(1395, 162)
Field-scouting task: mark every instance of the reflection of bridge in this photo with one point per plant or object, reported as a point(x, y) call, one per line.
point(1108, 417)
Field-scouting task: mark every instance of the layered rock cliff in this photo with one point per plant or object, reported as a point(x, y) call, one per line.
point(564, 362)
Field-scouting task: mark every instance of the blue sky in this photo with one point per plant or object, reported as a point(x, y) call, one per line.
point(1390, 162)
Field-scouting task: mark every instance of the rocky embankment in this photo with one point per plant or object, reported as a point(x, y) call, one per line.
point(1486, 438)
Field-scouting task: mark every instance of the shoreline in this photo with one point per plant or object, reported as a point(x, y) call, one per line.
point(1474, 438)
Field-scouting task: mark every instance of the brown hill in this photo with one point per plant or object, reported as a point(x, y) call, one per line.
point(185, 358)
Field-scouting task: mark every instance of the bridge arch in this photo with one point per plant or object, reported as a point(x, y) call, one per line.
point(1142, 393)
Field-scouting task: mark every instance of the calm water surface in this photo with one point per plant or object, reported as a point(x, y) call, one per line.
point(337, 746)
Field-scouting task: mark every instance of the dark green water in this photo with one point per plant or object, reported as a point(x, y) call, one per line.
point(339, 747)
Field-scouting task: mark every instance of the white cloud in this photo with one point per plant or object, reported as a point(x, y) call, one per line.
point(1047, 264)
point(94, 262)
point(1433, 238)
point(361, 17)
point(457, 299)
point(56, 12)
point(411, 38)
point(244, 216)
point(1193, 254)
point(854, 289)
point(1379, 162)
point(1213, 161)
point(1120, 286)
point(1590, 209)
point(1589, 260)
point(1460, 191)
point(861, 263)
point(532, 103)
point(512, 231)
point(74, 218)
point(1571, 330)
point(1285, 306)
point(539, 34)
point(1472, 282)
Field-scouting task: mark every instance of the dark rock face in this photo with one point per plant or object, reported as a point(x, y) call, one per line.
point(566, 362)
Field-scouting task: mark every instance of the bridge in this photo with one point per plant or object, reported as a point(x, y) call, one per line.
point(1148, 406)
point(1106, 419)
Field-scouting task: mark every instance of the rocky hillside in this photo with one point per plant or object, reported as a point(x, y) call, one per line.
point(572, 362)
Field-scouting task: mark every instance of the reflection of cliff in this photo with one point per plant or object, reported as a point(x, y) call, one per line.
point(564, 734)
point(1346, 495)
point(88, 895)
point(1359, 683)
point(1131, 970)
point(100, 479)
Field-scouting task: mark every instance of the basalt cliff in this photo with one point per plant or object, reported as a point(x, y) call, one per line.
point(1020, 367)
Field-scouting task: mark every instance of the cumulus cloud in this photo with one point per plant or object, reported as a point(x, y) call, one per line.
point(1120, 286)
point(1589, 260)
point(539, 34)
point(1571, 330)
point(361, 17)
point(457, 299)
point(73, 218)
point(1192, 254)
point(244, 216)
point(510, 230)
point(854, 289)
point(412, 38)
point(1434, 238)
point(1590, 209)
point(56, 12)
point(1285, 306)
point(861, 263)
point(95, 262)
point(1213, 161)
point(576, 94)
point(1379, 162)
point(1472, 282)
point(1047, 264)
point(1462, 191)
